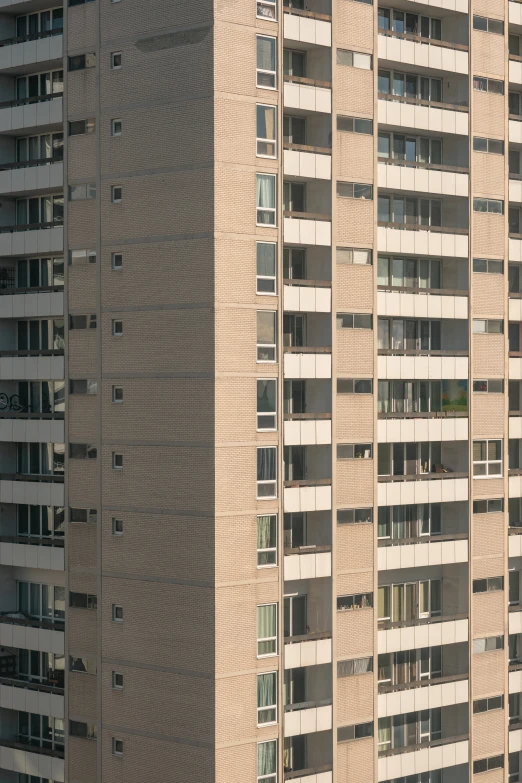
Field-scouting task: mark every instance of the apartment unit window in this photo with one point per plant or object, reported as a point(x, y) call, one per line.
point(41, 601)
point(410, 601)
point(266, 335)
point(115, 60)
point(45, 146)
point(82, 665)
point(422, 396)
point(82, 192)
point(481, 84)
point(39, 521)
point(83, 516)
point(82, 451)
point(409, 85)
point(266, 630)
point(411, 211)
point(79, 127)
point(493, 206)
point(33, 211)
point(487, 705)
point(266, 404)
point(514, 220)
point(82, 322)
point(42, 459)
point(294, 129)
point(266, 9)
point(38, 397)
point(116, 194)
point(83, 256)
point(117, 260)
point(39, 84)
point(294, 196)
point(494, 146)
point(266, 472)
point(37, 273)
point(357, 731)
point(266, 199)
point(354, 451)
point(83, 601)
point(117, 461)
point(117, 327)
point(354, 386)
point(353, 255)
point(490, 266)
point(489, 386)
point(403, 334)
point(294, 63)
point(83, 386)
point(40, 730)
point(116, 127)
point(514, 44)
point(117, 527)
point(267, 759)
point(117, 613)
point(347, 603)
point(354, 516)
point(397, 146)
point(514, 99)
point(489, 585)
point(485, 765)
point(266, 130)
point(266, 698)
point(484, 326)
point(354, 190)
point(117, 747)
point(514, 162)
point(81, 61)
point(354, 124)
point(266, 267)
point(409, 521)
point(488, 506)
point(354, 321)
point(409, 272)
point(117, 393)
point(488, 25)
point(42, 22)
point(117, 681)
point(354, 59)
point(412, 728)
point(266, 540)
point(412, 24)
point(354, 666)
point(487, 458)
point(514, 767)
point(266, 74)
point(488, 644)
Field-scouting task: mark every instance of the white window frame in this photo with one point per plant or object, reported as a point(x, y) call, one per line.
point(267, 345)
point(267, 277)
point(263, 482)
point(269, 413)
point(271, 8)
point(269, 549)
point(115, 67)
point(116, 330)
point(268, 706)
point(487, 462)
point(115, 751)
point(115, 390)
point(274, 638)
point(271, 777)
point(115, 530)
point(117, 265)
point(114, 132)
point(115, 685)
point(270, 211)
point(261, 139)
point(115, 609)
point(116, 194)
point(115, 455)
point(264, 71)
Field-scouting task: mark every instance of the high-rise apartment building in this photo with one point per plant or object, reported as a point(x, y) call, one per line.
point(260, 391)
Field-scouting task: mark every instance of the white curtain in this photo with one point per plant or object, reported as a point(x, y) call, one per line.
point(266, 621)
point(266, 758)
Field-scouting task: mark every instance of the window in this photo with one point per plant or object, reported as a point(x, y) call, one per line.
point(266, 9)
point(266, 404)
point(44, 459)
point(117, 393)
point(80, 61)
point(354, 386)
point(489, 265)
point(40, 521)
point(117, 681)
point(117, 327)
point(412, 24)
point(294, 63)
point(83, 256)
point(117, 461)
point(410, 86)
point(82, 192)
point(266, 62)
point(116, 126)
point(84, 730)
point(354, 516)
point(266, 130)
point(494, 206)
point(488, 644)
point(266, 472)
point(266, 698)
point(410, 211)
point(354, 59)
point(354, 321)
point(488, 506)
point(117, 260)
point(357, 731)
point(494, 146)
point(489, 585)
point(294, 130)
point(354, 190)
point(486, 705)
point(115, 60)
point(89, 386)
point(398, 146)
point(83, 665)
point(267, 754)
point(44, 22)
point(487, 458)
point(358, 601)
point(116, 194)
point(353, 255)
point(117, 527)
point(83, 515)
point(354, 666)
point(488, 25)
point(266, 630)
point(82, 322)
point(79, 127)
point(82, 451)
point(482, 84)
point(117, 747)
point(266, 335)
point(39, 84)
point(490, 386)
point(117, 613)
point(266, 199)
point(483, 326)
point(514, 44)
point(41, 601)
point(484, 765)
point(34, 273)
point(354, 124)
point(354, 451)
point(83, 601)
point(266, 540)
point(514, 103)
point(266, 266)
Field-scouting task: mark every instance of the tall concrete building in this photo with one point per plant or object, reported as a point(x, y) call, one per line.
point(260, 391)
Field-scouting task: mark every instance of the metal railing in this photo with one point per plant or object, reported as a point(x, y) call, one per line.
point(33, 99)
point(388, 625)
point(421, 39)
point(31, 37)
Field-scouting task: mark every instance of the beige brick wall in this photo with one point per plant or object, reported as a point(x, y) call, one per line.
point(488, 534)
point(488, 613)
point(488, 415)
point(118, 22)
point(354, 633)
point(82, 353)
point(488, 673)
point(354, 222)
point(236, 762)
point(82, 482)
point(354, 287)
point(82, 696)
point(355, 761)
point(354, 545)
point(81, 625)
point(81, 28)
point(487, 295)
point(488, 53)
point(82, 760)
point(354, 91)
point(355, 150)
point(354, 353)
point(81, 92)
point(354, 417)
point(488, 109)
point(354, 483)
point(488, 355)
point(490, 488)
point(82, 546)
point(488, 733)
point(488, 171)
point(82, 287)
point(82, 417)
point(81, 219)
point(82, 152)
point(495, 8)
point(354, 26)
point(354, 699)
point(488, 566)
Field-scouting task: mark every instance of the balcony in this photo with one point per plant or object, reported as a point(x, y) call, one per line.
point(322, 774)
point(401, 674)
point(303, 362)
point(16, 630)
point(20, 552)
point(414, 697)
point(418, 552)
point(307, 95)
point(309, 649)
point(440, 754)
point(31, 239)
point(306, 228)
point(307, 758)
point(44, 47)
point(420, 240)
point(31, 114)
point(40, 762)
point(31, 176)
point(411, 427)
point(515, 69)
point(37, 490)
point(306, 495)
point(307, 562)
point(307, 429)
point(414, 176)
point(306, 296)
point(307, 718)
point(403, 112)
point(423, 52)
point(515, 12)
point(307, 162)
point(309, 28)
point(427, 632)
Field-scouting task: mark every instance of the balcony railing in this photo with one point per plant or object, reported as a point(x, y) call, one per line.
point(313, 636)
point(424, 415)
point(25, 415)
point(387, 625)
point(30, 227)
point(33, 99)
point(309, 482)
point(24, 744)
point(303, 773)
point(41, 477)
point(385, 542)
point(303, 349)
point(54, 624)
point(416, 164)
point(404, 289)
point(31, 37)
point(421, 745)
point(461, 106)
point(306, 215)
point(307, 148)
point(305, 549)
point(418, 227)
point(307, 14)
point(311, 283)
point(421, 352)
point(28, 164)
point(42, 352)
point(306, 80)
point(44, 289)
point(443, 474)
point(307, 705)
point(33, 540)
point(385, 687)
point(421, 39)
point(306, 416)
point(16, 681)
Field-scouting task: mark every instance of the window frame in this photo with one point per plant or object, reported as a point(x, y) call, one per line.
point(117, 266)
point(267, 278)
point(267, 639)
point(117, 463)
point(261, 139)
point(114, 132)
point(270, 777)
point(117, 331)
point(486, 462)
point(271, 74)
point(261, 552)
point(260, 483)
point(270, 212)
point(266, 347)
point(116, 66)
point(267, 707)
point(261, 414)
point(117, 613)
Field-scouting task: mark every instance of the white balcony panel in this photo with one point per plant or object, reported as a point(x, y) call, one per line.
point(442, 58)
point(307, 30)
point(312, 498)
point(414, 430)
point(515, 13)
point(33, 493)
point(398, 493)
point(515, 72)
point(515, 426)
point(423, 243)
point(32, 178)
point(28, 763)
point(423, 367)
point(28, 52)
point(312, 565)
point(515, 682)
point(25, 700)
point(418, 555)
point(301, 231)
point(40, 241)
point(308, 165)
point(31, 115)
point(307, 97)
point(37, 305)
point(515, 188)
point(427, 118)
point(301, 365)
point(31, 368)
point(415, 636)
point(515, 245)
point(32, 431)
point(308, 721)
point(308, 432)
point(50, 558)
point(515, 737)
point(515, 368)
point(447, 183)
point(417, 761)
point(515, 486)
point(515, 547)
point(28, 638)
point(316, 777)
point(399, 303)
point(515, 128)
point(309, 653)
point(306, 299)
point(515, 622)
point(442, 695)
point(515, 309)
